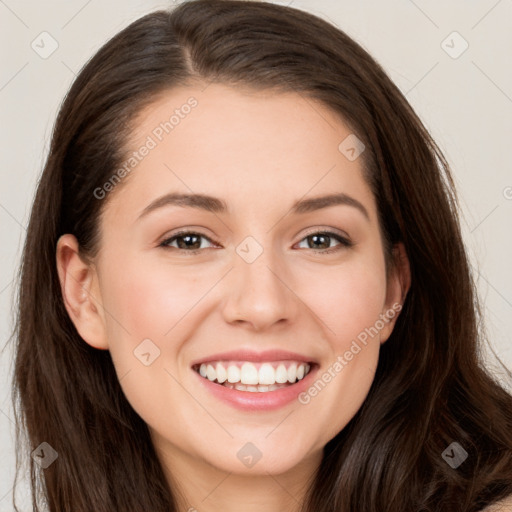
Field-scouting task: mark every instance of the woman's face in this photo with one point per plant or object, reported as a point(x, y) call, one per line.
point(264, 281)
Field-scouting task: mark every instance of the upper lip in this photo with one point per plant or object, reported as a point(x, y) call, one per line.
point(257, 357)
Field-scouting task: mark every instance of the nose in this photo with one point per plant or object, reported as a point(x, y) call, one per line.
point(259, 293)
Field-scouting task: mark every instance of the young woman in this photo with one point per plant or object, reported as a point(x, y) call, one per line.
point(244, 285)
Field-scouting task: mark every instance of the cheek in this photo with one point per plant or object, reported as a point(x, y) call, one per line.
point(346, 375)
point(146, 308)
point(361, 297)
point(347, 299)
point(149, 300)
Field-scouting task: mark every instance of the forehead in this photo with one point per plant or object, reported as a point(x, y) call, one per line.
point(255, 149)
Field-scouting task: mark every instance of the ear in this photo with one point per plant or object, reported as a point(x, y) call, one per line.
point(80, 291)
point(398, 284)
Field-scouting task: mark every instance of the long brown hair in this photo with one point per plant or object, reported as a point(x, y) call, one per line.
point(430, 389)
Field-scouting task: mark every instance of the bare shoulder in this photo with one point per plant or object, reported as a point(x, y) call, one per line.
point(505, 505)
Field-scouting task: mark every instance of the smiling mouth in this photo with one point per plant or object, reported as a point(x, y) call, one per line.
point(254, 377)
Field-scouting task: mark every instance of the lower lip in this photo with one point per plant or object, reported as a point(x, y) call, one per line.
point(259, 401)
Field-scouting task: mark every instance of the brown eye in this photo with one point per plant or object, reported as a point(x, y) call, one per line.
point(321, 241)
point(187, 241)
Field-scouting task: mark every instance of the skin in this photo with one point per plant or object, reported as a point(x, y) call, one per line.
point(259, 152)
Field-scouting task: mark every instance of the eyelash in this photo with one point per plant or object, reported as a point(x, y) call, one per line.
point(344, 242)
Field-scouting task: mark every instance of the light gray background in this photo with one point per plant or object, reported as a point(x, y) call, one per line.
point(465, 102)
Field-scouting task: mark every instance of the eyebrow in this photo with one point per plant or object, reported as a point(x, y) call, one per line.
point(216, 205)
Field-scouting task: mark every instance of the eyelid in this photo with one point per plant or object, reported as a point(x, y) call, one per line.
point(327, 230)
point(188, 230)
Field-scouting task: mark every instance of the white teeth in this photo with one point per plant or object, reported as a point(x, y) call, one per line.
point(210, 372)
point(221, 372)
point(292, 373)
point(233, 373)
point(266, 374)
point(253, 389)
point(260, 377)
point(281, 374)
point(249, 374)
